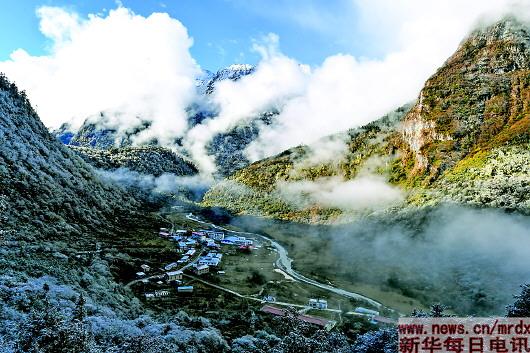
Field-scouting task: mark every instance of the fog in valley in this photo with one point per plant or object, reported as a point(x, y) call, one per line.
point(472, 260)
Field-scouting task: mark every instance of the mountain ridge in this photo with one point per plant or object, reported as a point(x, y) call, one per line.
point(151, 160)
point(97, 132)
point(472, 113)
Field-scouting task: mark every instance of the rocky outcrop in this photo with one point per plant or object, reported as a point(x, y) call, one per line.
point(471, 102)
point(418, 132)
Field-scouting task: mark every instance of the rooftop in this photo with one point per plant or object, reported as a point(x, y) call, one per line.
point(174, 273)
point(306, 318)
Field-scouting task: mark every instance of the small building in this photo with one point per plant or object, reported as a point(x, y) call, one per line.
point(182, 231)
point(185, 289)
point(364, 311)
point(269, 298)
point(190, 243)
point(232, 240)
point(171, 266)
point(183, 259)
point(149, 295)
point(245, 248)
point(229, 240)
point(161, 293)
point(201, 269)
point(221, 272)
point(140, 274)
point(197, 235)
point(216, 255)
point(318, 304)
point(211, 259)
point(244, 241)
point(145, 268)
point(212, 244)
point(218, 236)
point(383, 320)
point(173, 276)
point(190, 252)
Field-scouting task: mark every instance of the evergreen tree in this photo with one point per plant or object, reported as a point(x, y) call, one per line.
point(521, 306)
point(438, 310)
point(79, 312)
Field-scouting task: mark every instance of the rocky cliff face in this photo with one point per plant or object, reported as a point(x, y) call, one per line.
point(459, 142)
point(477, 100)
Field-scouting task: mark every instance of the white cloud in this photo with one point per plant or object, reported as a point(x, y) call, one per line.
point(138, 66)
point(135, 67)
point(362, 193)
point(346, 91)
point(276, 80)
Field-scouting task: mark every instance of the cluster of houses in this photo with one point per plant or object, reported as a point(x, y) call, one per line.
point(212, 259)
point(187, 240)
point(188, 244)
point(239, 241)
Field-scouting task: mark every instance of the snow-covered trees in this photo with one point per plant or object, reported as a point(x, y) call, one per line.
point(521, 306)
point(48, 189)
point(380, 341)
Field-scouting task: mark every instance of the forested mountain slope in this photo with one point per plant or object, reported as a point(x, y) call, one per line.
point(465, 140)
point(48, 190)
point(150, 160)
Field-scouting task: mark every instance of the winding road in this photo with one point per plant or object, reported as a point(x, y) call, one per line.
point(285, 264)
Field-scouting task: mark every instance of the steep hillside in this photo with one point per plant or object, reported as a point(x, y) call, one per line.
point(478, 100)
point(228, 148)
point(465, 140)
point(259, 188)
point(150, 160)
point(49, 191)
point(91, 134)
point(63, 236)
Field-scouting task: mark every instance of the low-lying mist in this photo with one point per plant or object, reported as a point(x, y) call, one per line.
point(190, 187)
point(472, 260)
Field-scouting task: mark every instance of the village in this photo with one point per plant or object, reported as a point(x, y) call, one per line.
point(199, 255)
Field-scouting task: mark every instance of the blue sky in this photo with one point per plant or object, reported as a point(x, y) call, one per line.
point(223, 30)
point(366, 57)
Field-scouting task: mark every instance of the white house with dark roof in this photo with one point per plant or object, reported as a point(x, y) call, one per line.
point(201, 269)
point(173, 276)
